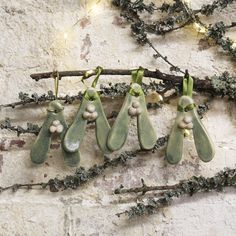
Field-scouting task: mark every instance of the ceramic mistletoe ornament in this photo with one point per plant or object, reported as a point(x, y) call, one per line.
point(90, 110)
point(187, 120)
point(54, 125)
point(134, 106)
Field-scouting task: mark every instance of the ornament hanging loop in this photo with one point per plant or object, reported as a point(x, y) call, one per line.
point(98, 70)
point(187, 85)
point(136, 84)
point(56, 83)
point(137, 76)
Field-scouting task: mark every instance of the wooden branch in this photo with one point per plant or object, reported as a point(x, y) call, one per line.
point(203, 85)
point(143, 189)
point(147, 73)
point(223, 179)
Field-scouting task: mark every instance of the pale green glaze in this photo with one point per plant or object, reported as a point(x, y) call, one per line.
point(204, 145)
point(72, 159)
point(119, 131)
point(75, 134)
point(42, 144)
point(102, 126)
point(146, 132)
point(174, 148)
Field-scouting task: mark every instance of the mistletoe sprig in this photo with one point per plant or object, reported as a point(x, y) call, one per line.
point(221, 180)
point(82, 175)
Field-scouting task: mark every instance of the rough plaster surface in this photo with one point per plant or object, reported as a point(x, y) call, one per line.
point(32, 40)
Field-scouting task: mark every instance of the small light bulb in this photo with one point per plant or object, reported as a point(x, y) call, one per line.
point(65, 36)
point(234, 45)
point(187, 2)
point(200, 28)
point(94, 7)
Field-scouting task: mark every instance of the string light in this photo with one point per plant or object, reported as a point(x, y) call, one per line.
point(234, 44)
point(65, 35)
point(200, 28)
point(188, 2)
point(94, 7)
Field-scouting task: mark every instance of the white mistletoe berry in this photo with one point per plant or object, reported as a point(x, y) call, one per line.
point(56, 127)
point(182, 125)
point(138, 111)
point(86, 115)
point(53, 129)
point(90, 108)
point(186, 123)
point(93, 116)
point(56, 122)
point(60, 128)
point(90, 113)
point(187, 119)
point(132, 111)
point(135, 104)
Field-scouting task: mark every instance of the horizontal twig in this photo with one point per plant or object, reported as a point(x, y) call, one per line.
point(203, 84)
point(222, 179)
point(157, 74)
point(82, 175)
point(143, 189)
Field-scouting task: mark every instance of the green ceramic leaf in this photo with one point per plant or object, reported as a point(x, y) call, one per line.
point(174, 148)
point(72, 159)
point(203, 142)
point(102, 126)
point(146, 132)
point(120, 128)
point(75, 134)
point(41, 146)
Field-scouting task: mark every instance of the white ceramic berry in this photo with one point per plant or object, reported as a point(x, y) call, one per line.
point(138, 111)
point(86, 115)
point(135, 104)
point(59, 128)
point(182, 125)
point(187, 119)
point(90, 108)
point(53, 129)
point(56, 122)
point(132, 111)
point(189, 126)
point(94, 115)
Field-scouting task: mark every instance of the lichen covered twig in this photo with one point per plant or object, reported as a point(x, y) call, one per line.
point(82, 175)
point(221, 180)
